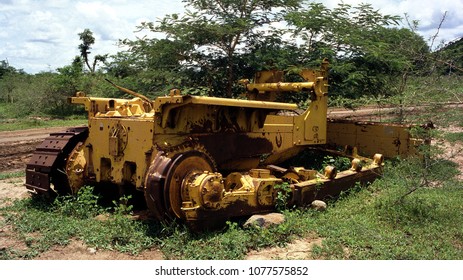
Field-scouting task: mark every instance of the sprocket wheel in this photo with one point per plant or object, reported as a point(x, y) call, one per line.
point(60, 179)
point(163, 185)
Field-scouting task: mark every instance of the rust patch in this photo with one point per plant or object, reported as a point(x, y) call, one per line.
point(278, 140)
point(215, 219)
point(230, 146)
point(154, 184)
point(203, 125)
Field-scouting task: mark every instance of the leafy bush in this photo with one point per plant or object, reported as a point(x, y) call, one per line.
point(283, 194)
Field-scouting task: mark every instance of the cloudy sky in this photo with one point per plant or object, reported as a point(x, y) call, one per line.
point(41, 35)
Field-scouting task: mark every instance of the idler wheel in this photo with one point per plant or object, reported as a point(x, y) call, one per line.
point(182, 165)
point(163, 187)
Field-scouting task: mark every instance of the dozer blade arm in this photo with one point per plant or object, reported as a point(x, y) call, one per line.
point(368, 138)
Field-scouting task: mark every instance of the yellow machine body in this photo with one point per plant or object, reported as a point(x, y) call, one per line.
point(205, 159)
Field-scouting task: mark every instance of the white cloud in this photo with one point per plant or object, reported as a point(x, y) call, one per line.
point(42, 35)
point(427, 12)
point(95, 11)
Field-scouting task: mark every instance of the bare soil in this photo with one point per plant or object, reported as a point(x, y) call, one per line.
point(16, 148)
point(453, 151)
point(299, 249)
point(77, 250)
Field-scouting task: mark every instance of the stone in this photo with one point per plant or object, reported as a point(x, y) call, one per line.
point(102, 217)
point(265, 220)
point(318, 205)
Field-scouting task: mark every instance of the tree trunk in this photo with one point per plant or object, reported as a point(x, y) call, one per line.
point(229, 77)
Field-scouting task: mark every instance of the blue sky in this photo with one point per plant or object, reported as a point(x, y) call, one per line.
point(41, 35)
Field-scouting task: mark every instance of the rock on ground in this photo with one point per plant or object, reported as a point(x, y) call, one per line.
point(265, 221)
point(318, 205)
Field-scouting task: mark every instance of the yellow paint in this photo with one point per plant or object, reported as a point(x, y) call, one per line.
point(126, 135)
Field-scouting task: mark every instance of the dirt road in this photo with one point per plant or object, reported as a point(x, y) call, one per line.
point(16, 147)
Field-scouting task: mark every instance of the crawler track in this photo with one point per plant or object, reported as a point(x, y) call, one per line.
point(48, 160)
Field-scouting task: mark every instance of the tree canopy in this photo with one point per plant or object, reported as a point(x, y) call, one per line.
point(214, 43)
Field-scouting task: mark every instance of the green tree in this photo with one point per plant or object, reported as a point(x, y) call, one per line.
point(365, 47)
point(151, 66)
point(8, 85)
point(450, 58)
point(87, 41)
point(213, 33)
point(45, 94)
point(10, 78)
point(6, 68)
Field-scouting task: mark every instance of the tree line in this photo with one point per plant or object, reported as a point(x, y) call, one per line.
point(214, 43)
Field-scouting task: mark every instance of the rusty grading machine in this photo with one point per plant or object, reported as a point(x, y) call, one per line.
point(204, 160)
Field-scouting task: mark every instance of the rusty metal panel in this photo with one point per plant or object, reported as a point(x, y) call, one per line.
point(37, 181)
point(52, 144)
point(113, 146)
point(391, 140)
point(42, 161)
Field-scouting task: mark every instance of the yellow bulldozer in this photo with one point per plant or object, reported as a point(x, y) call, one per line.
point(203, 160)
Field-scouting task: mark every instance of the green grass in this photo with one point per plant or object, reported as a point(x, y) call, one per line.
point(378, 224)
point(18, 124)
point(8, 175)
point(41, 225)
point(11, 118)
point(454, 137)
point(382, 221)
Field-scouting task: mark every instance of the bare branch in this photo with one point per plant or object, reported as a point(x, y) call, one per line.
point(438, 29)
point(449, 64)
